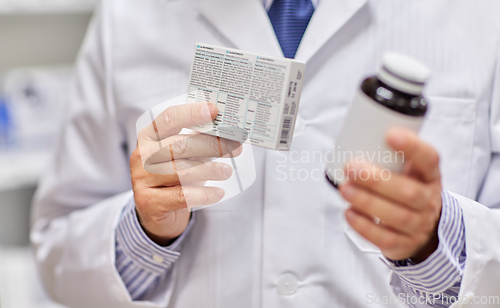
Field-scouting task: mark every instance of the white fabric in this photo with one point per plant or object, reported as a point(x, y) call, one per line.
point(138, 53)
point(268, 3)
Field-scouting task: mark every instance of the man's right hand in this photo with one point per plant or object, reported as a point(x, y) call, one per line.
point(167, 168)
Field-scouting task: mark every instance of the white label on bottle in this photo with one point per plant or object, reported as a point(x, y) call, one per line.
point(363, 138)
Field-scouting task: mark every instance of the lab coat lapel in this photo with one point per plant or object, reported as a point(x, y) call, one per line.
point(328, 18)
point(244, 23)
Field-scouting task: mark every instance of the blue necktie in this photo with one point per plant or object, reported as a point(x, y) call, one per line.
point(290, 19)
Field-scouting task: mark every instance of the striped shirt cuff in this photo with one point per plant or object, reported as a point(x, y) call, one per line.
point(141, 262)
point(444, 267)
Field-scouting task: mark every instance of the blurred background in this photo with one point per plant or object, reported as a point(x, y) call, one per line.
point(39, 41)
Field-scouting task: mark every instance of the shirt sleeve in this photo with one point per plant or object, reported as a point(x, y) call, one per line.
point(437, 279)
point(141, 263)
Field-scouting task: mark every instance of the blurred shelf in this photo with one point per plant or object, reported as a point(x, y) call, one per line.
point(45, 6)
point(41, 36)
point(20, 170)
point(15, 208)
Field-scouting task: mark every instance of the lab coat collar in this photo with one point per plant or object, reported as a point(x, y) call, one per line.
point(328, 18)
point(245, 23)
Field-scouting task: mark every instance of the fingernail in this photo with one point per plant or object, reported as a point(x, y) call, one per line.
point(205, 111)
point(398, 140)
point(349, 191)
point(219, 192)
point(350, 215)
point(212, 109)
point(228, 171)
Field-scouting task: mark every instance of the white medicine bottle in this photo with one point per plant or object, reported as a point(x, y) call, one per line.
point(391, 98)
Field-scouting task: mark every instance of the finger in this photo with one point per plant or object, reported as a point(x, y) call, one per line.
point(169, 199)
point(423, 156)
point(192, 172)
point(395, 187)
point(173, 119)
point(195, 146)
point(393, 245)
point(148, 147)
point(195, 196)
point(402, 219)
point(184, 171)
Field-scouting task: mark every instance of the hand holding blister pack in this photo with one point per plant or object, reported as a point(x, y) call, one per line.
point(392, 98)
point(203, 140)
point(208, 169)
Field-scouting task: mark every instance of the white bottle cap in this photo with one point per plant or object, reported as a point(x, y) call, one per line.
point(403, 73)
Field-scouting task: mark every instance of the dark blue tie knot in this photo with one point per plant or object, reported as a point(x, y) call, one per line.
point(290, 19)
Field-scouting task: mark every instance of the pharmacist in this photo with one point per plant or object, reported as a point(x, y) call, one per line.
point(106, 233)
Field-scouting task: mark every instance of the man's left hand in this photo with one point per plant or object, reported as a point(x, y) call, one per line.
point(408, 204)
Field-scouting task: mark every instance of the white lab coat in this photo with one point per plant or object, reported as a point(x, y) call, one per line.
point(138, 54)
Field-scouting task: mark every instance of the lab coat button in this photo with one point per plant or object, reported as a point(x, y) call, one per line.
point(287, 284)
point(157, 258)
point(469, 298)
